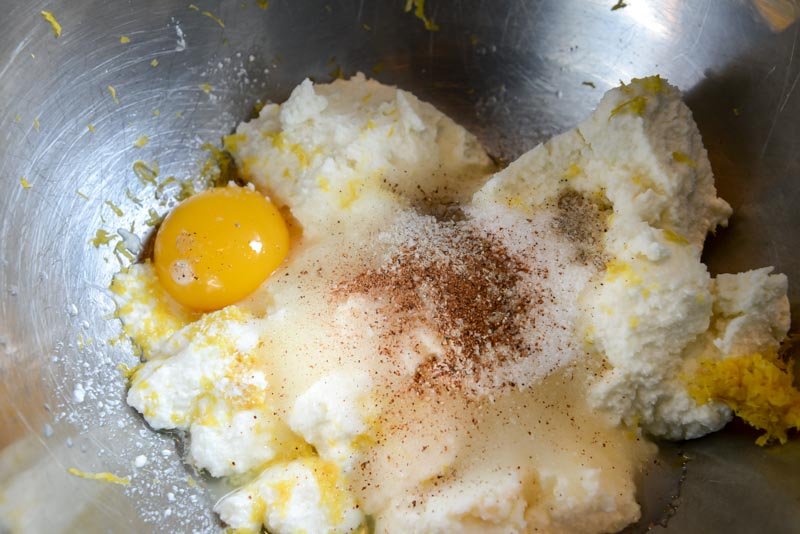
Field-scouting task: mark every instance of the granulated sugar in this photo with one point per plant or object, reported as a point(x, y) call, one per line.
point(498, 292)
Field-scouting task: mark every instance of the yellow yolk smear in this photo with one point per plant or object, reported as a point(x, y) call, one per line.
point(218, 246)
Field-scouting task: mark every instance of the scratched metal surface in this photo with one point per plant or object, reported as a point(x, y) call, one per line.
point(511, 71)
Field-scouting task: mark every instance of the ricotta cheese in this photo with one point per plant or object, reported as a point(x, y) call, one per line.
point(435, 350)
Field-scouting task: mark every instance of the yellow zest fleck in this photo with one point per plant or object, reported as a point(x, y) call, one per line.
point(674, 237)
point(637, 105)
point(127, 371)
point(370, 125)
point(49, 17)
point(736, 112)
point(337, 73)
point(101, 237)
point(194, 7)
point(124, 39)
point(145, 173)
point(156, 113)
point(680, 157)
point(328, 479)
point(350, 194)
point(102, 477)
point(621, 270)
point(757, 387)
point(258, 511)
point(215, 18)
point(141, 142)
point(572, 171)
point(324, 184)
point(154, 219)
point(231, 142)
point(284, 489)
point(419, 12)
point(390, 133)
point(651, 84)
point(154, 62)
point(118, 212)
point(90, 127)
point(633, 322)
point(191, 482)
point(17, 118)
point(25, 183)
point(263, 4)
point(378, 67)
point(36, 124)
point(84, 196)
point(113, 92)
point(206, 88)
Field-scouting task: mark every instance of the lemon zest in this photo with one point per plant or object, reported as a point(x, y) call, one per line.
point(124, 39)
point(49, 17)
point(215, 18)
point(113, 92)
point(141, 142)
point(636, 105)
point(145, 173)
point(680, 157)
point(757, 387)
point(118, 212)
point(674, 237)
point(25, 183)
point(102, 477)
point(618, 269)
point(419, 12)
point(101, 237)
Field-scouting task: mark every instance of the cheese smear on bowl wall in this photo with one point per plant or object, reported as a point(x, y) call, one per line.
point(449, 347)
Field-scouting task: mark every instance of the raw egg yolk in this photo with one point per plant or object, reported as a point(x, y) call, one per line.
point(218, 246)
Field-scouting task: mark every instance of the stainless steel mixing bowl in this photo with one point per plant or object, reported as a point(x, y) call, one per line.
point(514, 72)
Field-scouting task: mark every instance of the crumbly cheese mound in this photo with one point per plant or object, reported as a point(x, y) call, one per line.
point(332, 416)
point(496, 504)
point(654, 309)
point(351, 148)
point(326, 387)
point(751, 312)
point(206, 382)
point(150, 314)
point(304, 495)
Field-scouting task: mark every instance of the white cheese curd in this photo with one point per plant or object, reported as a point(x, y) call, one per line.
point(332, 415)
point(298, 496)
point(446, 349)
point(642, 154)
point(210, 387)
point(328, 145)
point(751, 311)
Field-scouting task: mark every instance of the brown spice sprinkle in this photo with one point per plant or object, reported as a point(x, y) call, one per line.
point(463, 285)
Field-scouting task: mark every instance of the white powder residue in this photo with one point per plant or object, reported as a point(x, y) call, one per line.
point(78, 394)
